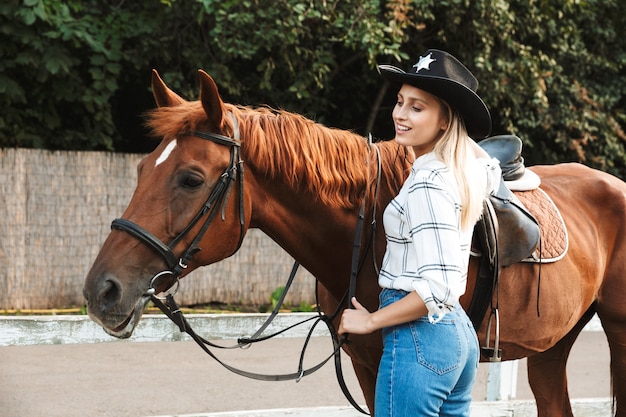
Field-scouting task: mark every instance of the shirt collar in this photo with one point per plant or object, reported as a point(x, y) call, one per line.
point(424, 160)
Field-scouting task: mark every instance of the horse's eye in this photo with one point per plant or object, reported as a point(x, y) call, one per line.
point(192, 181)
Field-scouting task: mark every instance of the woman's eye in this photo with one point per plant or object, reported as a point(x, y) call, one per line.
point(192, 182)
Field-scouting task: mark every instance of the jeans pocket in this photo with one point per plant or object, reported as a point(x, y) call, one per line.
point(438, 345)
point(473, 342)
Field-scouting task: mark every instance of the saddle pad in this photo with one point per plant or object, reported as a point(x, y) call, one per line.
point(554, 239)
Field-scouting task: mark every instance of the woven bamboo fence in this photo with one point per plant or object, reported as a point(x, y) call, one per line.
point(56, 211)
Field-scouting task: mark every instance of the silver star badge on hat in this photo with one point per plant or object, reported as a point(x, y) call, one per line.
point(424, 63)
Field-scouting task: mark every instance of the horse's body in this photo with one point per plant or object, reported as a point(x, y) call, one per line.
point(303, 187)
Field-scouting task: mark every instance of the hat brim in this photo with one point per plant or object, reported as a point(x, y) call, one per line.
point(471, 107)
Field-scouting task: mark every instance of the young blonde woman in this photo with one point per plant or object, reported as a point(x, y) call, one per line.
point(430, 351)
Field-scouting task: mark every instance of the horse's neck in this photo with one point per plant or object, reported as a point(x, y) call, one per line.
point(306, 229)
point(309, 230)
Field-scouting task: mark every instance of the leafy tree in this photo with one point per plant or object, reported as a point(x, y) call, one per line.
point(548, 70)
point(75, 74)
point(72, 71)
point(556, 77)
point(60, 68)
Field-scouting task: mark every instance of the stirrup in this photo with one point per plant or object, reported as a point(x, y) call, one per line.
point(494, 354)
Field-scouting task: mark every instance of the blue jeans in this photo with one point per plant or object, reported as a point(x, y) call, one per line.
point(426, 369)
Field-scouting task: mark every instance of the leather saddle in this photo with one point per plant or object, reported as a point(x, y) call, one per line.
point(507, 232)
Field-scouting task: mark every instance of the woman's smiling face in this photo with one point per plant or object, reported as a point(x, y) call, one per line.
point(419, 119)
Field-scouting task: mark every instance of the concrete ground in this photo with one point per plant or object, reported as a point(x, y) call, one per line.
point(167, 378)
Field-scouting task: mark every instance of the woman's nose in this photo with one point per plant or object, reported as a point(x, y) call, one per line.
point(399, 114)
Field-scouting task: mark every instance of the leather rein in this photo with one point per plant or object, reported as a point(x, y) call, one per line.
point(176, 265)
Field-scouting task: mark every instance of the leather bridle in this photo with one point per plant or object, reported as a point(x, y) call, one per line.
point(176, 265)
point(218, 197)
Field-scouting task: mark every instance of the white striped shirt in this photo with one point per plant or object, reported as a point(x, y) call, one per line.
point(427, 251)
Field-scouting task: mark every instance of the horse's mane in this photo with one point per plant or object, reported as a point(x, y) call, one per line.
point(330, 164)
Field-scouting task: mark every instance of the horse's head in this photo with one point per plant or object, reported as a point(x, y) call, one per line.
point(187, 210)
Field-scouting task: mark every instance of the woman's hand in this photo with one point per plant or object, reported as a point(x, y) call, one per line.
point(361, 321)
point(355, 321)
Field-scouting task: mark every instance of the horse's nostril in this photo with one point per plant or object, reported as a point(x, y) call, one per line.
point(109, 293)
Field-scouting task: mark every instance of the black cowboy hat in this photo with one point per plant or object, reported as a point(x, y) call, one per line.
point(441, 74)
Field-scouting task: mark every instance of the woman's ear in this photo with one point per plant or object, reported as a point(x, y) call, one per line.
point(446, 116)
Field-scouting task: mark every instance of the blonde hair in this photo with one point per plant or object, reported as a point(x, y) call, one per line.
point(453, 149)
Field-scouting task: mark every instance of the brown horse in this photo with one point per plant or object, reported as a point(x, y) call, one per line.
point(303, 186)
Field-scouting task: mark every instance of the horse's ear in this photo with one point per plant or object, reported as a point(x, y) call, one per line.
point(163, 96)
point(211, 100)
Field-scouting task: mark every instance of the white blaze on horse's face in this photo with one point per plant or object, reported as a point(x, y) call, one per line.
point(166, 153)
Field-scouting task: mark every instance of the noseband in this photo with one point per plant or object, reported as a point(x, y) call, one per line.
point(218, 196)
